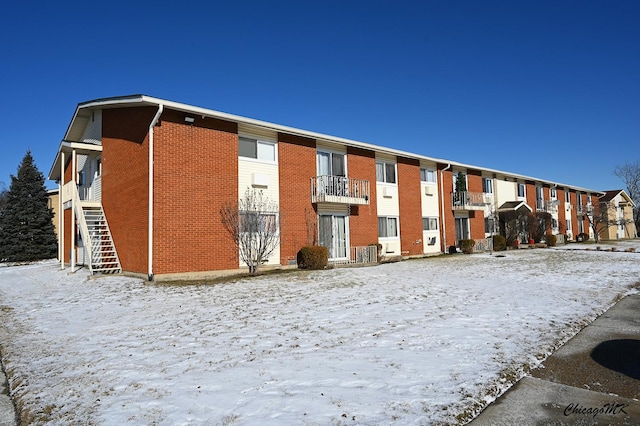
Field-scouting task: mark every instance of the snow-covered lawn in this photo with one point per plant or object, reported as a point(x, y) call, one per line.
point(425, 341)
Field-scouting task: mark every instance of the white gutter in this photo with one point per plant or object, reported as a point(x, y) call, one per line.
point(150, 218)
point(444, 227)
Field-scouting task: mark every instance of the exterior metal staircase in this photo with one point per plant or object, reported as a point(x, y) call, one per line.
point(102, 251)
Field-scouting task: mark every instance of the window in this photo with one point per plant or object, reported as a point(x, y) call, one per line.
point(580, 227)
point(568, 224)
point(429, 223)
point(487, 185)
point(490, 225)
point(521, 190)
point(385, 172)
point(589, 199)
point(331, 164)
point(567, 197)
point(260, 150)
point(428, 175)
point(387, 227)
point(553, 193)
point(259, 223)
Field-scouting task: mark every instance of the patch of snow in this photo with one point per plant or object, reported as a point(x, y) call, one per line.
point(420, 341)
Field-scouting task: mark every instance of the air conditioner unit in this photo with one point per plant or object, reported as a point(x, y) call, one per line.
point(260, 179)
point(570, 206)
point(428, 190)
point(388, 192)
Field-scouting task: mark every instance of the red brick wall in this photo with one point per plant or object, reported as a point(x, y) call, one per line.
point(363, 221)
point(476, 217)
point(296, 166)
point(195, 174)
point(409, 203)
point(448, 220)
point(574, 214)
point(125, 175)
point(562, 218)
point(531, 194)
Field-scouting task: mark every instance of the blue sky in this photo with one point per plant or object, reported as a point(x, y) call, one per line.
point(545, 89)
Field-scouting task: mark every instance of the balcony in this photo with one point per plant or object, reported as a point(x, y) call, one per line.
point(339, 190)
point(551, 206)
point(469, 200)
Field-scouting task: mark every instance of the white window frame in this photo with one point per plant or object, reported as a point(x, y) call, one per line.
point(431, 223)
point(487, 185)
point(524, 190)
point(388, 219)
point(567, 196)
point(259, 143)
point(569, 229)
point(385, 165)
point(426, 173)
point(553, 193)
point(331, 153)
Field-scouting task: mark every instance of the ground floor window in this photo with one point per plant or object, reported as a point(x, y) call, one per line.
point(429, 223)
point(387, 227)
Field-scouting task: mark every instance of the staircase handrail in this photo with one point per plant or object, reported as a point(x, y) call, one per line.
point(84, 229)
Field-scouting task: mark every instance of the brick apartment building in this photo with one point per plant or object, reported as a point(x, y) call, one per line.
point(142, 181)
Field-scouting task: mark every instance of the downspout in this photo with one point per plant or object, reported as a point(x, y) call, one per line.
point(150, 218)
point(444, 226)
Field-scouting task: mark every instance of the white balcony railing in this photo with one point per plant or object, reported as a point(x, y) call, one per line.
point(359, 255)
point(340, 190)
point(469, 200)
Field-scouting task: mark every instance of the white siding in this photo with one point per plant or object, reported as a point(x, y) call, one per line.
point(266, 176)
point(504, 191)
point(93, 131)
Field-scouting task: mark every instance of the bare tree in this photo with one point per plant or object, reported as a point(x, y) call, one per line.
point(629, 173)
point(599, 218)
point(253, 224)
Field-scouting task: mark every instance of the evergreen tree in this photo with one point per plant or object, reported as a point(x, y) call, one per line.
point(461, 182)
point(26, 226)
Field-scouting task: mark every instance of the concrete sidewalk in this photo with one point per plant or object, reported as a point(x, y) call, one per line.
point(593, 379)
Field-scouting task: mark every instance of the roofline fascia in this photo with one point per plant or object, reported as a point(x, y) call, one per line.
point(150, 100)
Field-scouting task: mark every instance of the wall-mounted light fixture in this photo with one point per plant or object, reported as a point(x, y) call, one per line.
point(189, 119)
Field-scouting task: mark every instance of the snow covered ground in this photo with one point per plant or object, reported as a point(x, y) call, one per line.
point(427, 341)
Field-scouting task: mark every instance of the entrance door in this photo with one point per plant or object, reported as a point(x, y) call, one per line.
point(462, 228)
point(332, 234)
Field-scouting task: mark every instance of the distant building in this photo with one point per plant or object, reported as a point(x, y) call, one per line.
point(619, 207)
point(142, 181)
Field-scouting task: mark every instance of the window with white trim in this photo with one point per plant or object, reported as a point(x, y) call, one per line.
point(253, 148)
point(567, 196)
point(568, 224)
point(521, 190)
point(428, 175)
point(429, 223)
point(385, 172)
point(553, 193)
point(257, 222)
point(487, 185)
point(387, 227)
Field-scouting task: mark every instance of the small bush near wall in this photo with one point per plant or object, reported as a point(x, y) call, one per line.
point(551, 240)
point(499, 243)
point(582, 237)
point(313, 257)
point(467, 246)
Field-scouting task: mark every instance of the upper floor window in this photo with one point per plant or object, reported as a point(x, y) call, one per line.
point(567, 196)
point(521, 190)
point(385, 172)
point(487, 185)
point(253, 148)
point(553, 193)
point(539, 193)
point(428, 175)
point(589, 199)
point(331, 164)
